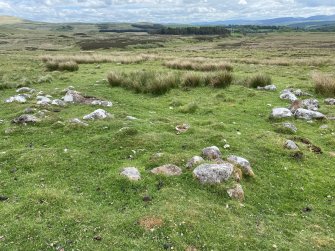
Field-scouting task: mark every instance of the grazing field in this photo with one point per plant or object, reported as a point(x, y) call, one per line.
point(61, 188)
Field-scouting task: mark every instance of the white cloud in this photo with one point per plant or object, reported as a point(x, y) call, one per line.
point(242, 2)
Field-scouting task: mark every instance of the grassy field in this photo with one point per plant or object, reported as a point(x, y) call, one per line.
point(63, 181)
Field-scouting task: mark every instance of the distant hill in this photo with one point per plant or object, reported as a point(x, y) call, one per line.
point(10, 20)
point(282, 21)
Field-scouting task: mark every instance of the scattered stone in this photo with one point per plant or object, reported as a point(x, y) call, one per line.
point(211, 153)
point(196, 160)
point(102, 103)
point(131, 173)
point(241, 162)
point(324, 127)
point(147, 198)
point(167, 170)
point(308, 114)
point(291, 145)
point(43, 100)
point(236, 192)
point(58, 102)
point(3, 198)
point(97, 114)
point(330, 101)
point(311, 104)
point(58, 124)
point(25, 89)
point(267, 88)
point(97, 238)
point(307, 209)
point(300, 93)
point(29, 110)
point(131, 118)
point(41, 114)
point(25, 118)
point(18, 98)
point(287, 94)
point(213, 173)
point(73, 97)
point(289, 127)
point(78, 122)
point(70, 88)
point(182, 128)
point(278, 113)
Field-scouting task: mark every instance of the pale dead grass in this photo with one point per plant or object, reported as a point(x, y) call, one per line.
point(151, 222)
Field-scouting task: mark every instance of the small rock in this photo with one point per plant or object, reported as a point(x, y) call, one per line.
point(281, 113)
point(131, 118)
point(236, 192)
point(42, 100)
point(58, 102)
point(182, 128)
point(147, 198)
point(211, 153)
point(3, 198)
point(78, 122)
point(330, 101)
point(25, 118)
point(243, 163)
point(290, 127)
point(287, 94)
point(308, 114)
point(213, 173)
point(70, 88)
point(267, 88)
point(324, 127)
point(18, 98)
point(131, 173)
point(196, 160)
point(25, 89)
point(311, 104)
point(97, 114)
point(73, 97)
point(289, 144)
point(102, 103)
point(167, 170)
point(97, 238)
point(29, 110)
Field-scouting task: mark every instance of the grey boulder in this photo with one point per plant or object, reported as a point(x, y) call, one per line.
point(278, 113)
point(213, 173)
point(97, 114)
point(243, 163)
point(18, 98)
point(196, 160)
point(308, 114)
point(330, 101)
point(167, 170)
point(267, 88)
point(211, 153)
point(291, 145)
point(131, 173)
point(25, 119)
point(310, 104)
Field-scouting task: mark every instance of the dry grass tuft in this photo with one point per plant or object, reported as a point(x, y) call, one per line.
point(324, 84)
point(198, 65)
point(151, 222)
point(61, 65)
point(258, 80)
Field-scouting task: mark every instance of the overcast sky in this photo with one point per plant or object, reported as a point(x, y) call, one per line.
point(161, 11)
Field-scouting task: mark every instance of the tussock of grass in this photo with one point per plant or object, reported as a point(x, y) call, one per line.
point(258, 80)
point(192, 79)
point(324, 84)
point(221, 80)
point(53, 65)
point(198, 65)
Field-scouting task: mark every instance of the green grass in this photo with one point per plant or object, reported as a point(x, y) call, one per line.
point(61, 198)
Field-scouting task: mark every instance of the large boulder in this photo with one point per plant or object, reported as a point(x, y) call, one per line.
point(278, 113)
point(167, 170)
point(213, 173)
point(308, 114)
point(131, 173)
point(243, 163)
point(25, 119)
point(211, 153)
point(97, 114)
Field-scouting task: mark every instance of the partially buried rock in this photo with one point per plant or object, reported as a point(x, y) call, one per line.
point(308, 114)
point(18, 98)
point(278, 113)
point(78, 122)
point(213, 173)
point(58, 102)
point(311, 104)
point(102, 103)
point(97, 114)
point(236, 192)
point(196, 160)
point(42, 100)
point(25, 90)
point(267, 88)
point(182, 128)
point(243, 163)
point(211, 153)
point(287, 94)
point(289, 127)
point(25, 119)
point(131, 118)
point(167, 170)
point(131, 173)
point(330, 101)
point(291, 145)
point(73, 97)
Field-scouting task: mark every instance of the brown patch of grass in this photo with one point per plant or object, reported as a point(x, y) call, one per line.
point(324, 84)
point(198, 65)
point(258, 80)
point(151, 222)
point(61, 65)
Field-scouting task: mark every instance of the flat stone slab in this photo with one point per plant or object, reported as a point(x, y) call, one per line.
point(131, 173)
point(213, 173)
point(167, 170)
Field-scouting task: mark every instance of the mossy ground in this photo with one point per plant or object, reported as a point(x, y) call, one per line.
point(67, 198)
